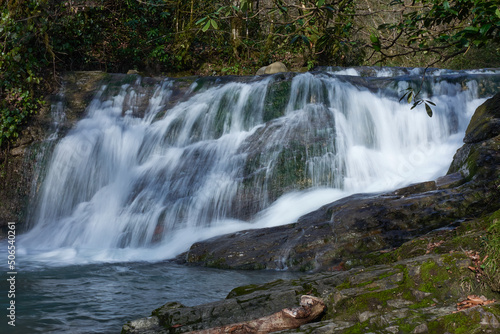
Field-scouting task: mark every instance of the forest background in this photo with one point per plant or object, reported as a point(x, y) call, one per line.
point(42, 38)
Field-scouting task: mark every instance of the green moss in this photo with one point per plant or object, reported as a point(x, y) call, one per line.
point(471, 164)
point(248, 289)
point(457, 323)
point(290, 169)
point(277, 97)
point(359, 328)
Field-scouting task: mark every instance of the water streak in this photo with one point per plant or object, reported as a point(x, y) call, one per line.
point(124, 185)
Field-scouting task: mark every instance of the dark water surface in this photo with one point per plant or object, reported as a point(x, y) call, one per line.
point(100, 298)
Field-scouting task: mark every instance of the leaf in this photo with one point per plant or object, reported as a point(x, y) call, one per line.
point(484, 29)
point(471, 29)
point(410, 97)
point(201, 20)
point(214, 24)
point(320, 3)
point(375, 42)
point(205, 28)
point(497, 12)
point(428, 109)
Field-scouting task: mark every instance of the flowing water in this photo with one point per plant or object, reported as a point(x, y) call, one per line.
point(142, 177)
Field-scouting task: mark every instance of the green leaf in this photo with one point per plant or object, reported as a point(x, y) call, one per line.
point(205, 28)
point(497, 12)
point(375, 42)
point(428, 109)
point(471, 29)
point(320, 3)
point(201, 20)
point(410, 97)
point(484, 29)
point(214, 24)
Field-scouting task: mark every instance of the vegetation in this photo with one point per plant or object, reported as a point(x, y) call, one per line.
point(41, 38)
point(442, 29)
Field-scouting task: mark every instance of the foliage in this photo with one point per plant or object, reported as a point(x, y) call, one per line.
point(443, 29)
point(41, 38)
point(437, 28)
point(321, 30)
point(23, 62)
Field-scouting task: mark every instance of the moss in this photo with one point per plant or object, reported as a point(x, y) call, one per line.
point(458, 323)
point(290, 170)
point(359, 328)
point(471, 163)
point(277, 97)
point(248, 289)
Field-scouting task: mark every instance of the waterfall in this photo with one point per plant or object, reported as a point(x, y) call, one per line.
point(125, 184)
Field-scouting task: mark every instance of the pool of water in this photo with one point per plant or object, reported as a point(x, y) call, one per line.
point(100, 298)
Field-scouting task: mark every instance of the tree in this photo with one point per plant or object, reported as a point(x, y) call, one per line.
point(321, 28)
point(441, 29)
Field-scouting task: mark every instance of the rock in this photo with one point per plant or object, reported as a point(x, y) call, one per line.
point(18, 151)
point(144, 325)
point(310, 308)
point(346, 230)
point(485, 123)
point(261, 71)
point(336, 233)
point(276, 67)
point(377, 299)
point(421, 329)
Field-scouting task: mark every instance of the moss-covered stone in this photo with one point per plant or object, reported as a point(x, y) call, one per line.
point(277, 97)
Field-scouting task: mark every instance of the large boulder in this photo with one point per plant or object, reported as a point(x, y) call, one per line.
point(276, 67)
point(345, 230)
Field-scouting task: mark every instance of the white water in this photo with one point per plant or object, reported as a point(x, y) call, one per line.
point(127, 188)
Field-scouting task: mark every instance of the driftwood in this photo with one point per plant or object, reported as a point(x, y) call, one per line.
point(310, 308)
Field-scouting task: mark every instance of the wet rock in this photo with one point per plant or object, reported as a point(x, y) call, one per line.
point(344, 231)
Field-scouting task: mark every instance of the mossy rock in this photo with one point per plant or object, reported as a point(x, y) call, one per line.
point(485, 122)
point(277, 97)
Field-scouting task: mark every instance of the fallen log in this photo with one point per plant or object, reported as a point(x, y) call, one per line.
point(310, 308)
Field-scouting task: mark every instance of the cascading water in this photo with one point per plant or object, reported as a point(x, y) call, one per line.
point(120, 181)
point(146, 173)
